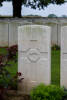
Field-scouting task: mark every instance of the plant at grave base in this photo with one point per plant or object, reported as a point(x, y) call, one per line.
point(55, 47)
point(50, 92)
point(65, 94)
point(12, 52)
point(15, 80)
point(3, 74)
point(7, 81)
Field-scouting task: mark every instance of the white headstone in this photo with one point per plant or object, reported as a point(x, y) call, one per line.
point(64, 56)
point(34, 55)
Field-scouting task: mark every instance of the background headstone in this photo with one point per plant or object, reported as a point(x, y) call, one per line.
point(64, 56)
point(34, 55)
point(3, 34)
point(13, 34)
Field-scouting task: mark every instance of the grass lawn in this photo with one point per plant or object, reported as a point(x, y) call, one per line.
point(3, 51)
point(55, 66)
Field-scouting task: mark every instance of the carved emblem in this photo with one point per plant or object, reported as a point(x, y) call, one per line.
point(33, 55)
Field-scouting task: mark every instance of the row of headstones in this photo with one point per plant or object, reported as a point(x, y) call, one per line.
point(34, 55)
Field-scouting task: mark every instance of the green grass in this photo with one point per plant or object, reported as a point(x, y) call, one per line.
point(55, 66)
point(12, 68)
point(3, 51)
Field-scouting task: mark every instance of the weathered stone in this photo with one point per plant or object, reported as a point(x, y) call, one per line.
point(3, 34)
point(34, 55)
point(64, 56)
point(13, 34)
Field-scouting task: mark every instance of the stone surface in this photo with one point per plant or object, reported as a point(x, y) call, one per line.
point(64, 56)
point(3, 34)
point(13, 33)
point(34, 55)
point(9, 26)
point(56, 34)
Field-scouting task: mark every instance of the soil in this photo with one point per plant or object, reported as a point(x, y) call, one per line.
point(13, 95)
